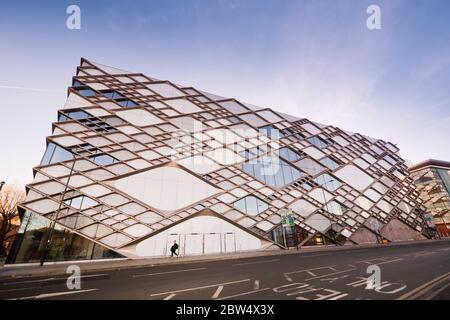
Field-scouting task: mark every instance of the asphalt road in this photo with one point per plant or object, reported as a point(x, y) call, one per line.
point(330, 275)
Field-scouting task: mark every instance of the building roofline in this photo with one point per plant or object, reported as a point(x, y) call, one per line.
point(430, 163)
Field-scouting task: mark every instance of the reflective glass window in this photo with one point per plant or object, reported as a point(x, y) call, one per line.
point(251, 205)
point(86, 92)
point(330, 163)
point(55, 153)
point(112, 94)
point(328, 182)
point(81, 202)
point(103, 159)
point(272, 171)
point(29, 243)
point(288, 154)
point(317, 142)
point(75, 115)
point(445, 178)
point(127, 103)
point(310, 166)
point(271, 132)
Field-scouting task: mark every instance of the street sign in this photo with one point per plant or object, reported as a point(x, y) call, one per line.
point(288, 221)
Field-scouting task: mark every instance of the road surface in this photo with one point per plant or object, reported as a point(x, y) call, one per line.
point(405, 270)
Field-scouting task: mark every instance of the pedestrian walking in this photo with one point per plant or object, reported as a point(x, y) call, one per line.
point(174, 249)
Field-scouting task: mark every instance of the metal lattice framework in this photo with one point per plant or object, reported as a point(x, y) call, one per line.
point(124, 130)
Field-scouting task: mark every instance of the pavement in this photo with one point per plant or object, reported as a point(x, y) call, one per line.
point(417, 270)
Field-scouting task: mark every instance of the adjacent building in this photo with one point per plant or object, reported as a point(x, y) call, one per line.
point(432, 178)
point(135, 164)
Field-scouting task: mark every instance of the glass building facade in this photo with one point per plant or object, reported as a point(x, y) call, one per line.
point(135, 163)
point(432, 178)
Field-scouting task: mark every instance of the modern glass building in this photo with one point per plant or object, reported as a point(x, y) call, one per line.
point(432, 178)
point(135, 163)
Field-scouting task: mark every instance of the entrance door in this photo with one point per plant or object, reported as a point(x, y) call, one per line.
point(193, 243)
point(212, 243)
point(230, 242)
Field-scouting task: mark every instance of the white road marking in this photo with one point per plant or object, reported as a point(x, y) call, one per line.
point(254, 262)
point(166, 272)
point(217, 293)
point(338, 297)
point(243, 294)
point(332, 280)
point(198, 288)
point(28, 281)
point(53, 279)
point(54, 294)
point(309, 270)
point(288, 278)
point(415, 292)
point(256, 285)
point(170, 296)
point(384, 260)
point(331, 274)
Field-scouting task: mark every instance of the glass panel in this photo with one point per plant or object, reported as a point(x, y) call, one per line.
point(103, 159)
point(77, 115)
point(86, 92)
point(233, 107)
point(127, 103)
point(29, 244)
point(272, 171)
point(251, 205)
point(81, 202)
point(288, 154)
point(310, 166)
point(445, 178)
point(271, 132)
point(55, 153)
point(112, 94)
point(317, 142)
point(335, 208)
point(330, 163)
point(355, 177)
point(253, 120)
point(328, 182)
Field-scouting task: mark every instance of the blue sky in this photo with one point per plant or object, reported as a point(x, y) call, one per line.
point(313, 59)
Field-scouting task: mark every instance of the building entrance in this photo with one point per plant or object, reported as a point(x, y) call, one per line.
point(202, 243)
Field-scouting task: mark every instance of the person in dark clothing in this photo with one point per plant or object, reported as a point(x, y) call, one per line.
point(174, 249)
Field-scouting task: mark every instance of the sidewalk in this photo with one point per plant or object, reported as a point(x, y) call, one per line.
point(59, 268)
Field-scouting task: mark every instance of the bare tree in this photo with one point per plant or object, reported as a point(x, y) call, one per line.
point(10, 197)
